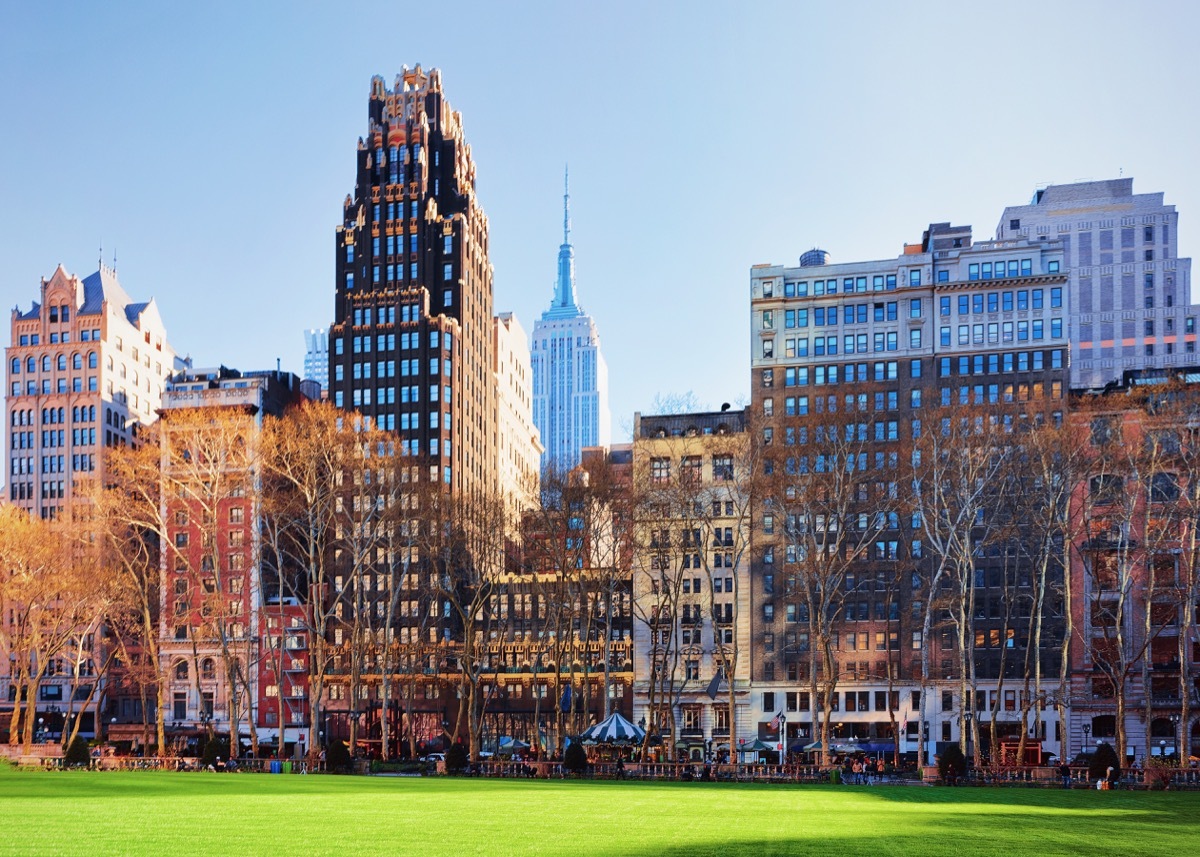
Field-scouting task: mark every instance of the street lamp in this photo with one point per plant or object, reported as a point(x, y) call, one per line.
point(1087, 734)
point(40, 738)
point(1175, 736)
point(782, 738)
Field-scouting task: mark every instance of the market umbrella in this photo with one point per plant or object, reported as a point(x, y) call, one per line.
point(613, 729)
point(756, 747)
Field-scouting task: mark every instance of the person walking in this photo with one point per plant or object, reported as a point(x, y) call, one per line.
point(1064, 771)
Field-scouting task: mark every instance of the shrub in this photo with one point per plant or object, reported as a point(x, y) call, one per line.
point(575, 759)
point(1104, 758)
point(77, 754)
point(215, 748)
point(951, 764)
point(456, 759)
point(337, 756)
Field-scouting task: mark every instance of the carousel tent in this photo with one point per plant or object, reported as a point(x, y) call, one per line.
point(614, 729)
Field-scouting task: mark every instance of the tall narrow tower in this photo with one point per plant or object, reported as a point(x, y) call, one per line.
point(410, 346)
point(570, 377)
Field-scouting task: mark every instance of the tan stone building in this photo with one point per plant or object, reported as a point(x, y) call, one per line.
point(518, 442)
point(691, 583)
point(86, 367)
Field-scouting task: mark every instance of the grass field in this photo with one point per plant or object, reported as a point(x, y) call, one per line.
point(136, 813)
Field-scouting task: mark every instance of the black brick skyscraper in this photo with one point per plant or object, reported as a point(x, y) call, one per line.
point(410, 346)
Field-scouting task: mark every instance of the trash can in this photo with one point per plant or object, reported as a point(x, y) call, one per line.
point(287, 766)
point(276, 766)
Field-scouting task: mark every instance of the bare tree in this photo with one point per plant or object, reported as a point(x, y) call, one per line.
point(47, 598)
point(1126, 506)
point(958, 461)
point(837, 500)
point(129, 521)
point(304, 457)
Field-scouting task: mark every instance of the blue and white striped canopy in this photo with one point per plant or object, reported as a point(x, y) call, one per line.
point(614, 729)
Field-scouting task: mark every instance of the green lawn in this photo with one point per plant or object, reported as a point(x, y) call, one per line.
point(151, 813)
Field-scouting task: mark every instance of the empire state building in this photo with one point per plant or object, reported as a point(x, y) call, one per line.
point(570, 377)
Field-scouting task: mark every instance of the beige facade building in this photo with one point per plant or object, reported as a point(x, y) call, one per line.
point(86, 367)
point(691, 585)
point(518, 443)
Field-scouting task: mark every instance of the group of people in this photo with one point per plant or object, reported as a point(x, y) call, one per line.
point(862, 771)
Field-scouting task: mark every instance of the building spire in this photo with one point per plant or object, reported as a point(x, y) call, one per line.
point(566, 204)
point(564, 305)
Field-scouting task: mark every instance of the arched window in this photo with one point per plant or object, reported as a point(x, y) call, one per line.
point(76, 361)
point(208, 669)
point(91, 359)
point(62, 363)
point(1161, 727)
point(181, 671)
point(45, 362)
point(16, 366)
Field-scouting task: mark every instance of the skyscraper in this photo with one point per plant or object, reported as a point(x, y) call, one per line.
point(410, 346)
point(316, 356)
point(1129, 290)
point(570, 377)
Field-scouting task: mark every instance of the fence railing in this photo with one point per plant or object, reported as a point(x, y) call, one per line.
point(185, 763)
point(1177, 778)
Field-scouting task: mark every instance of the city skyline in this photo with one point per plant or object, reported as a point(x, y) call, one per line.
point(668, 223)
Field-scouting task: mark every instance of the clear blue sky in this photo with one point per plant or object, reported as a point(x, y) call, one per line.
point(211, 145)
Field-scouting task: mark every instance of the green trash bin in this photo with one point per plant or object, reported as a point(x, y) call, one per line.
point(287, 767)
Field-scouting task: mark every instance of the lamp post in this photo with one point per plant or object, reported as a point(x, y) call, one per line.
point(1175, 736)
point(40, 737)
point(782, 738)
